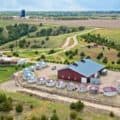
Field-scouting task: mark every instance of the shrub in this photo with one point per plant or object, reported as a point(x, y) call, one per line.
point(5, 103)
point(19, 108)
point(36, 52)
point(31, 106)
point(118, 54)
point(72, 106)
point(118, 61)
point(51, 51)
point(78, 106)
point(54, 117)
point(43, 117)
point(100, 55)
point(15, 54)
point(112, 114)
point(82, 54)
point(73, 115)
point(105, 60)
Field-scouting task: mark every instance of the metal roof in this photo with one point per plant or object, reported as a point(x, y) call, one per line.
point(86, 67)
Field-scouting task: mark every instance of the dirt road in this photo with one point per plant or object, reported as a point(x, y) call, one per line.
point(70, 100)
point(11, 87)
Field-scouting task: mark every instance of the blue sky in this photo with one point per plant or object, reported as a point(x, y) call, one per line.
point(59, 5)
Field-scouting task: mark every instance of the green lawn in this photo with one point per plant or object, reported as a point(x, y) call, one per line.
point(6, 73)
point(46, 107)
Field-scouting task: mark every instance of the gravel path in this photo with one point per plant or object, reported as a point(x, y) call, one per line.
point(10, 86)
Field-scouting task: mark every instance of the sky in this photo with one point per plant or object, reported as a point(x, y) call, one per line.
point(60, 5)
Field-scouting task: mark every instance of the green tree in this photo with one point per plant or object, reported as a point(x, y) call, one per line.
point(54, 117)
point(19, 108)
point(105, 60)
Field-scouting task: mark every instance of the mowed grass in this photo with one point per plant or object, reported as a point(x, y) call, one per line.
point(111, 34)
point(32, 54)
point(6, 73)
point(47, 107)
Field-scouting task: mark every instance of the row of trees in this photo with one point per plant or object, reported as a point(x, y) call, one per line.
point(16, 31)
point(58, 30)
point(101, 40)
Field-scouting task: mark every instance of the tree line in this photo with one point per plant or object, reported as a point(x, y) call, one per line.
point(15, 32)
point(97, 38)
point(58, 30)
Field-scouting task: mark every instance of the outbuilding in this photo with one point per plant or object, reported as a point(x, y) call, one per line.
point(82, 71)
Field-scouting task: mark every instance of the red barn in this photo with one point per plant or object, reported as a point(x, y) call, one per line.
point(81, 71)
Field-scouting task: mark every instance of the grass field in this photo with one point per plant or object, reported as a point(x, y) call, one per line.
point(6, 73)
point(46, 107)
point(112, 34)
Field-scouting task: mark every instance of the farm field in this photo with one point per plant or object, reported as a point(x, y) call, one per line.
point(88, 23)
point(44, 107)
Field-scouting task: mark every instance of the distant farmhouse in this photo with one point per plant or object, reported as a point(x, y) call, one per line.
point(82, 71)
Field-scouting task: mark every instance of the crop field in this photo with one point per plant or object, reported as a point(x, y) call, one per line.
point(44, 107)
point(88, 23)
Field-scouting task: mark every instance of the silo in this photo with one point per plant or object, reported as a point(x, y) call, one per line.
point(22, 14)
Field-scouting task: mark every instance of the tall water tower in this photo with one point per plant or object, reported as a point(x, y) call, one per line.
point(22, 13)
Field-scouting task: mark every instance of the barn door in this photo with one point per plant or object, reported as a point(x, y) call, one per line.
point(83, 80)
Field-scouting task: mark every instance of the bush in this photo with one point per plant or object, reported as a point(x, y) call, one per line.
point(72, 106)
point(19, 108)
point(51, 51)
point(54, 117)
point(15, 54)
point(105, 60)
point(31, 106)
point(100, 55)
point(43, 117)
point(5, 103)
point(78, 106)
point(112, 114)
point(73, 115)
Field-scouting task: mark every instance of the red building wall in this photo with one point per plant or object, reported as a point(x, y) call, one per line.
point(68, 74)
